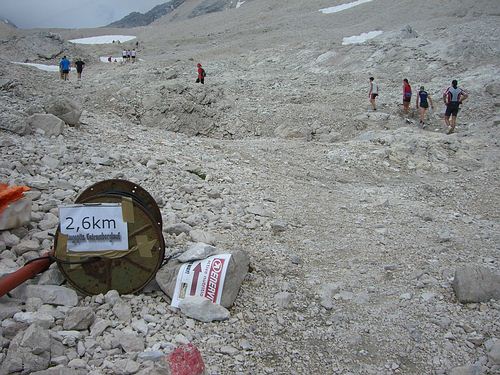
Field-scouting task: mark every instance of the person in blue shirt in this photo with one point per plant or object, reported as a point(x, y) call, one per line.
point(64, 67)
point(423, 100)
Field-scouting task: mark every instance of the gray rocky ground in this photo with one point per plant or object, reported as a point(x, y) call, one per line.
point(355, 222)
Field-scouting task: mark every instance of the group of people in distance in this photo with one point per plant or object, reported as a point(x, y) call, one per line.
point(65, 68)
point(128, 55)
point(453, 96)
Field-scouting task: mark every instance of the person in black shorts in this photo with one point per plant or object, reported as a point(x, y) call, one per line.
point(79, 68)
point(422, 104)
point(452, 98)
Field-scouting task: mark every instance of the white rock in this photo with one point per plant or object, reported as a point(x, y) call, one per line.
point(202, 309)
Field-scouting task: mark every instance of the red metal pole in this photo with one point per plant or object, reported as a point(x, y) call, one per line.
point(14, 279)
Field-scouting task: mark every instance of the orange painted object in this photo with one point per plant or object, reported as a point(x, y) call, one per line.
point(9, 194)
point(14, 279)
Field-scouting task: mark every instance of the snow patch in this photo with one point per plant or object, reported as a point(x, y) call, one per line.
point(104, 59)
point(342, 7)
point(363, 37)
point(47, 68)
point(325, 56)
point(103, 39)
point(239, 3)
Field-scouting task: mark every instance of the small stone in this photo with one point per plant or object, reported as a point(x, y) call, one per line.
point(202, 309)
point(77, 363)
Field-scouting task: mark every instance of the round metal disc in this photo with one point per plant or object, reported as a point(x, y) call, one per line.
point(128, 274)
point(126, 189)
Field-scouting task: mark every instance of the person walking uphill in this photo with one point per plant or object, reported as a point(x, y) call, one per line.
point(373, 93)
point(79, 68)
point(201, 75)
point(422, 104)
point(452, 98)
point(406, 96)
point(65, 66)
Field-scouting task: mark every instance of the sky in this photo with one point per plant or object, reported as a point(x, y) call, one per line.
point(76, 14)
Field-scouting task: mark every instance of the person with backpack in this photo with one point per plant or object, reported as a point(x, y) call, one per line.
point(373, 93)
point(452, 98)
point(422, 104)
point(201, 75)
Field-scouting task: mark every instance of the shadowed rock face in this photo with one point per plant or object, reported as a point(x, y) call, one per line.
point(210, 6)
point(136, 19)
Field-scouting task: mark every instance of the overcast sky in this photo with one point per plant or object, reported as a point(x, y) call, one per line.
point(70, 13)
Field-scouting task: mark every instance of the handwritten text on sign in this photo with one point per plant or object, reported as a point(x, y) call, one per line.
point(97, 227)
point(202, 278)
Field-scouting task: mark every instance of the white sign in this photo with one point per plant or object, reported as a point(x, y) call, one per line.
point(94, 227)
point(202, 278)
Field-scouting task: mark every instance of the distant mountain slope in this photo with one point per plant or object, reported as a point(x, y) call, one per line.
point(136, 19)
point(7, 22)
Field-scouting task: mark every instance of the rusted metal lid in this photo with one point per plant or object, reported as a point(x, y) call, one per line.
point(128, 273)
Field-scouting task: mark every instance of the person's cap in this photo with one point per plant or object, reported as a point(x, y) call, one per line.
point(422, 88)
point(198, 64)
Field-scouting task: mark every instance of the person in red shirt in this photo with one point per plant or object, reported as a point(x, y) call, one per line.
point(406, 96)
point(201, 75)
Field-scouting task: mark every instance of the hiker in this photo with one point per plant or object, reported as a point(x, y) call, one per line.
point(201, 74)
point(128, 55)
point(452, 98)
point(422, 104)
point(132, 55)
point(79, 68)
point(406, 96)
point(373, 93)
point(109, 59)
point(65, 66)
point(124, 55)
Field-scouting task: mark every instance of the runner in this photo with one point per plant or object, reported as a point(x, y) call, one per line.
point(201, 74)
point(65, 66)
point(452, 98)
point(373, 93)
point(79, 68)
point(406, 96)
point(124, 55)
point(132, 55)
point(422, 104)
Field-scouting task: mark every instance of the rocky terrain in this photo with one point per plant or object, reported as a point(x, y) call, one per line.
point(362, 228)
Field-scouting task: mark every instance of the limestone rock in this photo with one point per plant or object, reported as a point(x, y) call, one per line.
point(50, 124)
point(49, 294)
point(202, 309)
point(197, 251)
point(494, 353)
point(476, 284)
point(236, 272)
point(66, 109)
point(79, 318)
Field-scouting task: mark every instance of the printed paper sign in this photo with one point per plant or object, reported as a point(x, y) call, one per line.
point(202, 278)
point(96, 227)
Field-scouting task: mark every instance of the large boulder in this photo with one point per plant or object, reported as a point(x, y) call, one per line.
point(13, 123)
point(29, 351)
point(476, 284)
point(50, 124)
point(66, 109)
point(237, 269)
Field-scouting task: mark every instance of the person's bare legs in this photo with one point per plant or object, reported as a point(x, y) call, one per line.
point(447, 121)
point(372, 101)
point(406, 107)
point(452, 125)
